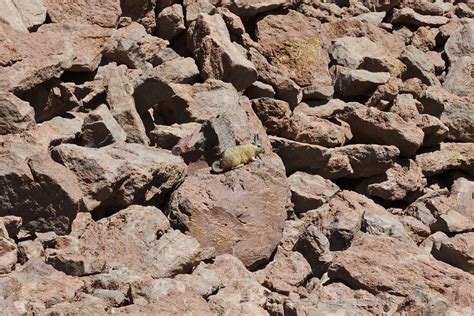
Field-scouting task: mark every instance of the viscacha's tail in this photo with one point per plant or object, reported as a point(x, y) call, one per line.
point(216, 166)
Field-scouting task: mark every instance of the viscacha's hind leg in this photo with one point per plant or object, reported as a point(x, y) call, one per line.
point(238, 166)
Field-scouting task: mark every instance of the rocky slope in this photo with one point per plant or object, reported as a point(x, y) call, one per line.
point(111, 113)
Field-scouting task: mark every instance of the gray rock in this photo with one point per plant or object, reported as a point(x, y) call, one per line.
point(9, 255)
point(32, 12)
point(448, 156)
point(15, 115)
point(457, 116)
point(310, 191)
point(167, 137)
point(460, 43)
point(457, 251)
point(314, 246)
point(252, 8)
point(259, 89)
point(410, 17)
point(418, 66)
point(459, 80)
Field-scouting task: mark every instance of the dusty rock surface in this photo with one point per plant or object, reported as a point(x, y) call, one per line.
point(114, 117)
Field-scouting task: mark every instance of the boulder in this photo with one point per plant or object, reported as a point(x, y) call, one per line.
point(33, 13)
point(9, 14)
point(142, 11)
point(252, 8)
point(373, 263)
point(259, 89)
point(121, 174)
point(418, 65)
point(101, 129)
point(292, 41)
point(217, 56)
point(460, 43)
point(231, 211)
point(105, 14)
point(273, 113)
point(314, 246)
point(455, 251)
point(410, 17)
point(403, 181)
point(310, 191)
point(167, 137)
point(458, 80)
point(358, 82)
point(350, 161)
point(15, 115)
point(170, 22)
point(447, 156)
point(457, 116)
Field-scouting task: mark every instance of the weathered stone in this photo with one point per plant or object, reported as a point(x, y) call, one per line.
point(382, 223)
point(314, 246)
point(362, 53)
point(435, 130)
point(167, 137)
point(403, 181)
point(8, 255)
point(170, 22)
point(369, 125)
point(32, 12)
point(310, 191)
point(142, 11)
point(217, 56)
point(122, 105)
point(460, 43)
point(374, 263)
point(292, 41)
point(259, 89)
point(15, 114)
point(452, 222)
point(418, 66)
point(178, 70)
point(457, 116)
point(424, 38)
point(350, 161)
point(234, 23)
point(273, 113)
point(252, 8)
point(194, 8)
point(285, 273)
point(218, 216)
point(198, 102)
point(448, 156)
point(10, 226)
point(457, 251)
point(305, 126)
point(358, 82)
point(433, 99)
point(410, 17)
point(101, 129)
point(121, 174)
point(29, 250)
point(9, 14)
point(38, 285)
point(459, 79)
point(105, 14)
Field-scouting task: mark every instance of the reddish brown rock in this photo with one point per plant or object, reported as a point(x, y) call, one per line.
point(252, 8)
point(314, 246)
point(230, 211)
point(459, 79)
point(170, 22)
point(217, 56)
point(33, 13)
point(383, 264)
point(292, 41)
point(457, 251)
point(460, 43)
point(15, 114)
point(105, 14)
point(273, 113)
point(410, 17)
point(448, 156)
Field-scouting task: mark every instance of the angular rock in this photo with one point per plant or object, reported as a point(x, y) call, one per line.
point(370, 125)
point(43, 193)
point(350, 161)
point(285, 273)
point(448, 156)
point(9, 14)
point(418, 66)
point(259, 89)
point(273, 113)
point(424, 38)
point(194, 8)
point(457, 116)
point(310, 191)
point(452, 222)
point(343, 218)
point(459, 80)
point(29, 250)
point(374, 263)
point(433, 99)
point(142, 11)
point(170, 22)
point(460, 43)
point(32, 12)
point(8, 255)
point(101, 129)
point(403, 181)
point(167, 137)
point(38, 285)
point(220, 210)
point(305, 126)
point(82, 303)
point(358, 82)
point(410, 17)
point(198, 102)
point(314, 246)
point(361, 52)
point(435, 130)
point(178, 70)
point(429, 302)
point(105, 14)
point(122, 105)
point(252, 8)
point(217, 56)
point(286, 89)
point(382, 223)
point(121, 174)
point(15, 114)
point(292, 41)
point(457, 251)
